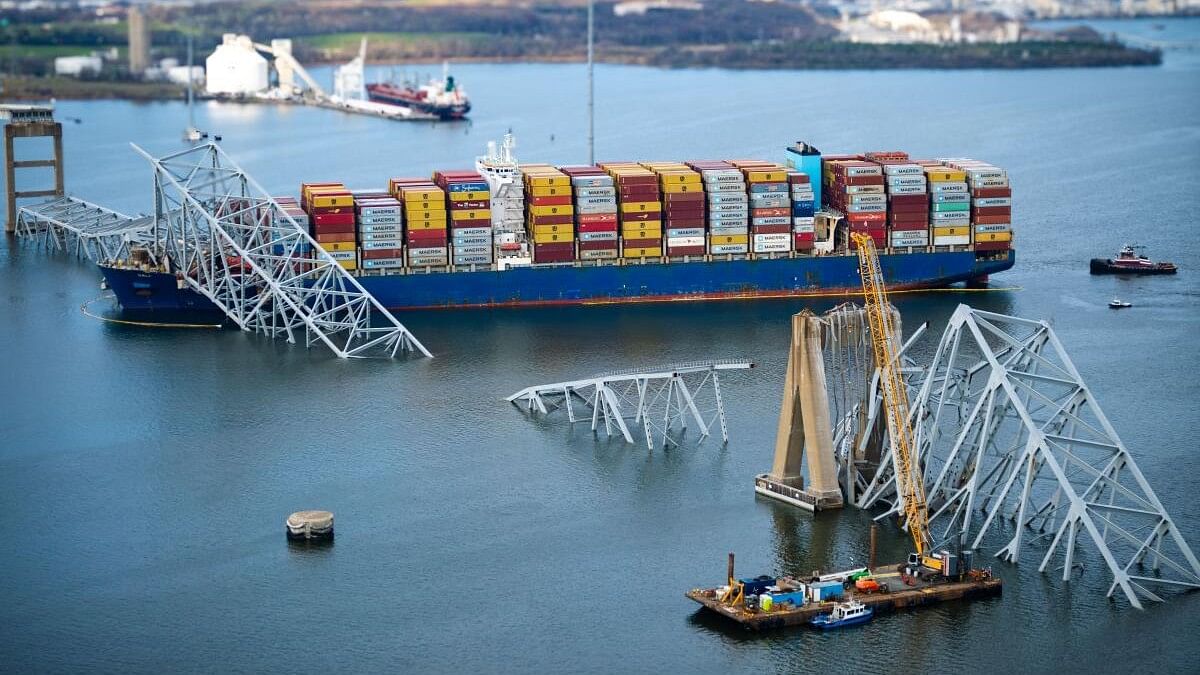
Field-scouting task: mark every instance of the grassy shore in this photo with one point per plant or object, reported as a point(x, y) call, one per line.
point(24, 88)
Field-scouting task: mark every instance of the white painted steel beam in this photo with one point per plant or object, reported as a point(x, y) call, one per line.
point(664, 401)
point(83, 229)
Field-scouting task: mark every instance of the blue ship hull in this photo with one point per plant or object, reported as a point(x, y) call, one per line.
point(612, 284)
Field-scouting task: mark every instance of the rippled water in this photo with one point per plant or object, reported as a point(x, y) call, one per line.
point(145, 474)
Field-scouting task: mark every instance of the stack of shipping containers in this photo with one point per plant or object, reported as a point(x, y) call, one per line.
point(856, 188)
point(949, 206)
point(469, 202)
point(330, 209)
point(639, 208)
point(907, 200)
point(595, 212)
point(770, 206)
point(425, 221)
point(683, 208)
point(380, 220)
point(991, 204)
point(728, 207)
point(549, 213)
point(804, 211)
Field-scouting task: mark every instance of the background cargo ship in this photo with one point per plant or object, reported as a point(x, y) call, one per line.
point(509, 234)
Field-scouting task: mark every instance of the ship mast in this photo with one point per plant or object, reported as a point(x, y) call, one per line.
point(591, 13)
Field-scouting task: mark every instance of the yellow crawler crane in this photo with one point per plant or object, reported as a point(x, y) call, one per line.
point(895, 399)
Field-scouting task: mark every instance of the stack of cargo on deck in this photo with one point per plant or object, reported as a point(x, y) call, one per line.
point(991, 204)
point(907, 199)
point(549, 213)
point(855, 187)
point(330, 209)
point(595, 199)
point(683, 208)
point(728, 206)
point(380, 219)
point(639, 207)
point(469, 202)
point(770, 206)
point(425, 221)
point(949, 206)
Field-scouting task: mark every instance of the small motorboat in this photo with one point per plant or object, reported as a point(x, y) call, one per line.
point(844, 614)
point(1129, 262)
point(1117, 303)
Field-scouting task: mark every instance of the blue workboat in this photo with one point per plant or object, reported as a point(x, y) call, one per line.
point(849, 613)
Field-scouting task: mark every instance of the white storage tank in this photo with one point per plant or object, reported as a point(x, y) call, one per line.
point(235, 67)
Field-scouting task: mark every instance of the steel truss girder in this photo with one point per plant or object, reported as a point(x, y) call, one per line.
point(83, 229)
point(663, 401)
point(1006, 427)
point(230, 241)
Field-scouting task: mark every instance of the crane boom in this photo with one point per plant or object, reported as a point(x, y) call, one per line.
point(910, 486)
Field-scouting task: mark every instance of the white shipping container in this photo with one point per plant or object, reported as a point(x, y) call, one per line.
point(343, 255)
point(772, 247)
point(867, 199)
point(732, 229)
point(770, 220)
point(473, 232)
point(804, 220)
point(772, 238)
point(990, 182)
point(864, 189)
point(907, 190)
point(947, 188)
point(993, 201)
point(864, 171)
point(376, 244)
point(906, 180)
point(1006, 227)
point(686, 232)
point(952, 241)
point(685, 241)
point(728, 248)
point(866, 208)
point(426, 251)
point(804, 229)
point(904, 170)
point(592, 181)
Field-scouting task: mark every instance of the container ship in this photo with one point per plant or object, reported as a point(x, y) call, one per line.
point(506, 233)
point(443, 99)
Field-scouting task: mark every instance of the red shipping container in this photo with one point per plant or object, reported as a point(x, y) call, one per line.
point(650, 179)
point(334, 218)
point(642, 243)
point(597, 227)
point(556, 219)
point(597, 218)
point(688, 213)
point(992, 220)
point(771, 229)
point(992, 211)
point(685, 250)
point(420, 238)
point(611, 244)
point(910, 227)
point(472, 222)
point(992, 246)
point(921, 217)
point(866, 217)
point(639, 194)
point(371, 254)
point(333, 229)
point(330, 210)
point(333, 237)
point(990, 192)
point(769, 213)
point(555, 247)
point(679, 223)
point(557, 200)
point(795, 178)
point(642, 216)
point(684, 197)
point(547, 257)
point(472, 205)
point(919, 199)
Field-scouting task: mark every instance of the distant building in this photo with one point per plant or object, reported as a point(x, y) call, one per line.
point(179, 75)
point(236, 68)
point(139, 41)
point(74, 66)
point(640, 7)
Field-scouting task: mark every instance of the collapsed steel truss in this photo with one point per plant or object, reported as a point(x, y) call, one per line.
point(662, 400)
point(1006, 427)
point(231, 242)
point(83, 229)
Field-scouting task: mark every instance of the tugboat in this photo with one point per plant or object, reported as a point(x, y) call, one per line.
point(844, 614)
point(1129, 262)
point(1117, 303)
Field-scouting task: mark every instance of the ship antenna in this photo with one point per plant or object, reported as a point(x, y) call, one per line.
point(591, 12)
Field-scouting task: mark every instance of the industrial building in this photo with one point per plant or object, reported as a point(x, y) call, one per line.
point(139, 41)
point(235, 68)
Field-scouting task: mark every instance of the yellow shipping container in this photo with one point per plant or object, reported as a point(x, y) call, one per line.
point(945, 174)
point(674, 177)
point(641, 225)
point(429, 224)
point(650, 252)
point(338, 246)
point(475, 214)
point(719, 239)
point(556, 210)
point(436, 216)
point(655, 233)
point(469, 196)
point(419, 206)
point(766, 177)
point(641, 207)
point(553, 229)
point(993, 236)
point(553, 237)
point(348, 264)
point(951, 231)
point(677, 188)
point(322, 201)
point(424, 195)
point(550, 191)
point(550, 181)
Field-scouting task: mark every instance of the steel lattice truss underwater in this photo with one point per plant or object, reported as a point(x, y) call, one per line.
point(1007, 430)
point(230, 241)
point(660, 399)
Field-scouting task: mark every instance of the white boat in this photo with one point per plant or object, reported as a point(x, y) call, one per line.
point(848, 613)
point(1117, 303)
